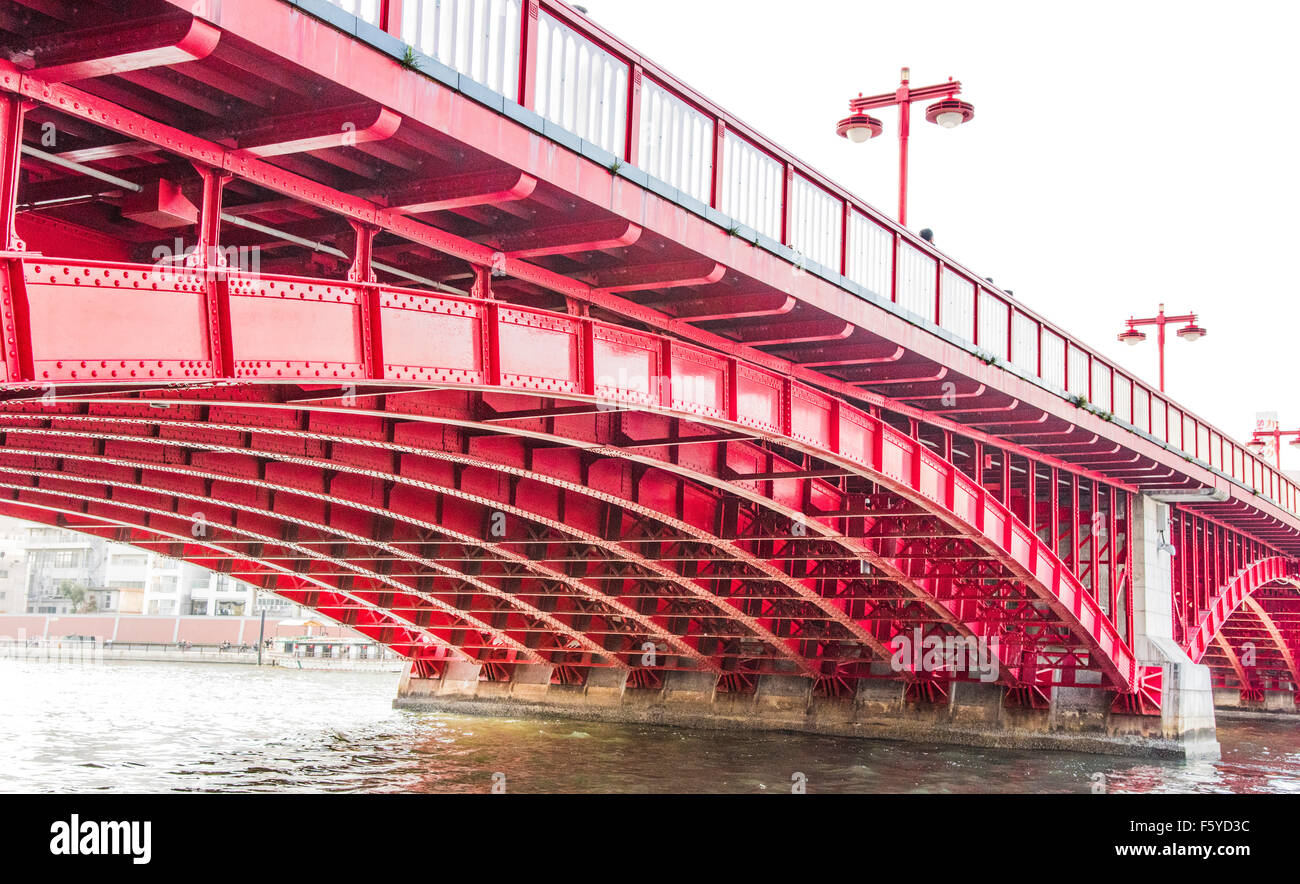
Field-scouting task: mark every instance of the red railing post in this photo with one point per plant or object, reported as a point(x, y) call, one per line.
point(632, 150)
point(528, 23)
point(787, 180)
point(390, 17)
point(719, 157)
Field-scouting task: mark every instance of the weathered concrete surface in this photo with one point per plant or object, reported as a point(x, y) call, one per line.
point(1187, 708)
point(1277, 705)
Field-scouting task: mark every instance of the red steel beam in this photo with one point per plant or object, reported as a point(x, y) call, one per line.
point(461, 191)
point(317, 130)
point(568, 239)
point(121, 47)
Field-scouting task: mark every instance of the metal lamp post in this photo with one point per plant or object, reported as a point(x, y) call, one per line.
point(949, 112)
point(1190, 332)
point(1259, 441)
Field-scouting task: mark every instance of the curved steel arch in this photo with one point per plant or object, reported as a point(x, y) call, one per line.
point(1254, 577)
point(778, 439)
point(134, 534)
point(29, 432)
point(208, 473)
point(1280, 641)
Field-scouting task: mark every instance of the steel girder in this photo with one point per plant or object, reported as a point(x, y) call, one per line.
point(639, 399)
point(763, 587)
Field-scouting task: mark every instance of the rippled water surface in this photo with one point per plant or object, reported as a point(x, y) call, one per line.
point(162, 727)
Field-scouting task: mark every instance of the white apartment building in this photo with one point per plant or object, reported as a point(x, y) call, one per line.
point(53, 571)
point(13, 567)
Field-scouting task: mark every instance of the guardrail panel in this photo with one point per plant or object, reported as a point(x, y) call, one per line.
point(1077, 374)
point(580, 86)
point(1123, 406)
point(478, 38)
point(816, 219)
point(1024, 342)
point(676, 144)
point(1101, 381)
point(993, 324)
point(870, 254)
point(751, 186)
point(916, 281)
point(957, 304)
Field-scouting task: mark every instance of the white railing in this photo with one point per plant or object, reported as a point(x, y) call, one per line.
point(580, 86)
point(478, 38)
point(583, 81)
point(751, 188)
point(676, 142)
point(366, 10)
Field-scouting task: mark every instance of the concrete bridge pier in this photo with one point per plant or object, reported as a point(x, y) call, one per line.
point(1186, 720)
point(965, 713)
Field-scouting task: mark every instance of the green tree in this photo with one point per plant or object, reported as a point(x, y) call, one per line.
point(82, 601)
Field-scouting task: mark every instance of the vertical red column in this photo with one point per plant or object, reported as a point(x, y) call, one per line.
point(632, 149)
point(362, 274)
point(1054, 480)
point(491, 334)
point(1128, 568)
point(529, 16)
point(787, 180)
point(391, 17)
point(1074, 525)
point(12, 110)
point(845, 225)
point(1113, 558)
point(209, 261)
point(13, 297)
point(1031, 490)
point(719, 157)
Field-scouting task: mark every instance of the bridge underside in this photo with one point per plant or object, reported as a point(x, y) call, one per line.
point(505, 527)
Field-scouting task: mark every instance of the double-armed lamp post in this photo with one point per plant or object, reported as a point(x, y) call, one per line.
point(1259, 442)
point(1189, 332)
point(949, 112)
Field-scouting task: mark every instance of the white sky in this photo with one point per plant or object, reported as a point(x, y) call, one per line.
point(1122, 154)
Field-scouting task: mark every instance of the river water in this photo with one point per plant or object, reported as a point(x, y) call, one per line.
point(180, 727)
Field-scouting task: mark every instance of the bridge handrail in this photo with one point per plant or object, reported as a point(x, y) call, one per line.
point(550, 59)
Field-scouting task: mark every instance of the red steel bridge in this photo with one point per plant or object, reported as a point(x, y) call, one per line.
point(467, 326)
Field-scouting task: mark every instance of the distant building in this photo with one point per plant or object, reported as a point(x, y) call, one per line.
point(13, 567)
point(46, 570)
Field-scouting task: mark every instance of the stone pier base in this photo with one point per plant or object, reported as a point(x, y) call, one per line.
point(1279, 705)
point(1077, 719)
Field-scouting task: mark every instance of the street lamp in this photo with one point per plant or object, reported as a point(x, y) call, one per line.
point(1190, 332)
point(949, 112)
point(1259, 441)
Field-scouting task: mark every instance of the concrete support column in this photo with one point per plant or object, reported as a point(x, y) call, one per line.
point(1187, 704)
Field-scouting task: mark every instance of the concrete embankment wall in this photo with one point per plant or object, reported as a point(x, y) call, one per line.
point(154, 629)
